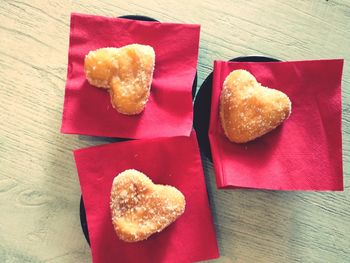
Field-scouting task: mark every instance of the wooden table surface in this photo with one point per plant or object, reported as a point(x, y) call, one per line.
point(39, 189)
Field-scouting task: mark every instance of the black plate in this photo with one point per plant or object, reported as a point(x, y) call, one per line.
point(83, 220)
point(137, 17)
point(202, 105)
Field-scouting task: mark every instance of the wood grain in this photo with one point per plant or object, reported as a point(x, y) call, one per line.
point(39, 190)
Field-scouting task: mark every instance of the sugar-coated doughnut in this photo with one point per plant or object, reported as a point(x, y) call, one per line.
point(249, 110)
point(141, 208)
point(126, 72)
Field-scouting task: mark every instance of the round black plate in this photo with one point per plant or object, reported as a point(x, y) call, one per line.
point(137, 17)
point(83, 220)
point(202, 105)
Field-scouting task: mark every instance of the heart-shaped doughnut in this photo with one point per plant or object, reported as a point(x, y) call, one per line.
point(141, 208)
point(127, 72)
point(249, 110)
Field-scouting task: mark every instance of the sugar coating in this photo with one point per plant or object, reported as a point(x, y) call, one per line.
point(249, 110)
point(141, 208)
point(126, 72)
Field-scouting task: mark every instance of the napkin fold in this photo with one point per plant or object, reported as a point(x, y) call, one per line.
point(88, 111)
point(172, 161)
point(305, 152)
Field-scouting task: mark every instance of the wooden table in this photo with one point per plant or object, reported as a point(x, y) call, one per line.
point(39, 189)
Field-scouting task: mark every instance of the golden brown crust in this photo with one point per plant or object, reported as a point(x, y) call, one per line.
point(141, 208)
point(126, 72)
point(248, 110)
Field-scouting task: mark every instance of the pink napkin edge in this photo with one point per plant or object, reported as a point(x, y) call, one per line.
point(65, 130)
point(84, 15)
point(107, 145)
point(282, 189)
point(340, 60)
point(75, 158)
point(197, 149)
point(69, 68)
point(223, 185)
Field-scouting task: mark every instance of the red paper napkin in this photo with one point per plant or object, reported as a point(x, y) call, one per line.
point(305, 152)
point(87, 110)
point(174, 161)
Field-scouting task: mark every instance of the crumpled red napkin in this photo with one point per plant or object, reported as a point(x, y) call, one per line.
point(87, 110)
point(174, 161)
point(305, 152)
